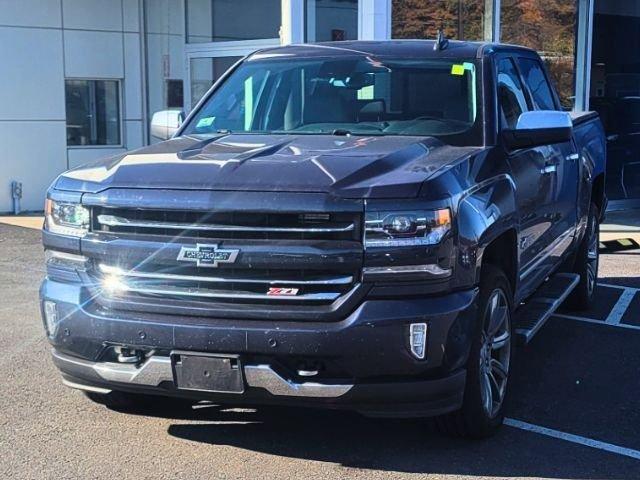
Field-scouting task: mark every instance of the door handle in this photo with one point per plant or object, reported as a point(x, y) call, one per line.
point(573, 157)
point(549, 169)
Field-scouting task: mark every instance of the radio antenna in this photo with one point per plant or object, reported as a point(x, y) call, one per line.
point(441, 41)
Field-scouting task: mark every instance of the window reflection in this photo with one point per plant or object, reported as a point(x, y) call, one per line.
point(332, 20)
point(548, 26)
point(230, 20)
point(461, 20)
point(93, 112)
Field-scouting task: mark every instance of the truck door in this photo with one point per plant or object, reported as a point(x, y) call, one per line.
point(535, 190)
point(561, 162)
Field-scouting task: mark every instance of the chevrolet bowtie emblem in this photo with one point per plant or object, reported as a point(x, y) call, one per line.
point(207, 255)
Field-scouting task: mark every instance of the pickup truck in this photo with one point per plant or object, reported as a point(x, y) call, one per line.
point(371, 226)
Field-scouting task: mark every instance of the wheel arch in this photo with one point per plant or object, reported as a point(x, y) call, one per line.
point(502, 252)
point(597, 194)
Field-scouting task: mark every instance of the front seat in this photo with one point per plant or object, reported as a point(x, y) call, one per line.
point(326, 105)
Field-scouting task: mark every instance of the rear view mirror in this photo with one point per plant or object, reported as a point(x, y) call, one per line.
point(165, 124)
point(541, 127)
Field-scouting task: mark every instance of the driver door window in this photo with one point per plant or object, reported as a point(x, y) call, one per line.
point(537, 82)
point(511, 98)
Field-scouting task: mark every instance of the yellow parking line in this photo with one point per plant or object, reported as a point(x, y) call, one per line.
point(33, 222)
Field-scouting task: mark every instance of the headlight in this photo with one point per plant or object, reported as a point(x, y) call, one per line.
point(66, 218)
point(399, 229)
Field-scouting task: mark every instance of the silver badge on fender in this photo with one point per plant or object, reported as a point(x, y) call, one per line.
point(207, 255)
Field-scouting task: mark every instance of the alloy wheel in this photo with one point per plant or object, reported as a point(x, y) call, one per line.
point(495, 352)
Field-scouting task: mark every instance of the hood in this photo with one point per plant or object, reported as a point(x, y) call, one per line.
point(350, 166)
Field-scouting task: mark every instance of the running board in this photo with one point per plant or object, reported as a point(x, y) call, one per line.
point(531, 316)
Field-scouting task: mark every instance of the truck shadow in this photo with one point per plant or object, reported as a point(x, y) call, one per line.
point(409, 446)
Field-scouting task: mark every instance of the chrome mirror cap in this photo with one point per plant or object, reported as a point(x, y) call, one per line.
point(537, 128)
point(543, 119)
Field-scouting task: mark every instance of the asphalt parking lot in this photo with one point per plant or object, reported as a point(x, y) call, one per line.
point(574, 411)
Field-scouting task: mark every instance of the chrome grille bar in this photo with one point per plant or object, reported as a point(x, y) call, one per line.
point(116, 221)
point(169, 290)
point(111, 270)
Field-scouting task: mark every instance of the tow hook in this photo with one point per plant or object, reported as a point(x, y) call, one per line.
point(129, 355)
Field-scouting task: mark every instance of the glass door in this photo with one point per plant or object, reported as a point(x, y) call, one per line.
point(206, 63)
point(203, 72)
point(221, 32)
point(615, 94)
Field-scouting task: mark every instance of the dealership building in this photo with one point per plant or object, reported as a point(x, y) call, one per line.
point(82, 78)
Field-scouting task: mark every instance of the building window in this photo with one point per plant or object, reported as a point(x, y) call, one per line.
point(548, 26)
point(93, 112)
point(460, 19)
point(175, 93)
point(231, 20)
point(331, 20)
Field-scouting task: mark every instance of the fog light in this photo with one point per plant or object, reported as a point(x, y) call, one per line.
point(50, 317)
point(418, 339)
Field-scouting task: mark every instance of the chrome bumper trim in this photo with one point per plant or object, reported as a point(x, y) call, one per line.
point(158, 369)
point(115, 221)
point(86, 388)
point(263, 376)
point(151, 373)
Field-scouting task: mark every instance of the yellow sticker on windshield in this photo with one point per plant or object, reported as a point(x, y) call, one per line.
point(457, 69)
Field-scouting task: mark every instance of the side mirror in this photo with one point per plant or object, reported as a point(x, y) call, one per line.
point(541, 127)
point(165, 124)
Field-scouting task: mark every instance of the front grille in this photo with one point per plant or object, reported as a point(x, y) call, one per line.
point(229, 286)
point(229, 225)
point(317, 264)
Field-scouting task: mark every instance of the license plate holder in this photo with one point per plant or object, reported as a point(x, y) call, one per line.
point(207, 372)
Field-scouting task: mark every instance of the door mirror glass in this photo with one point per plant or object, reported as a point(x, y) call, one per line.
point(540, 127)
point(165, 124)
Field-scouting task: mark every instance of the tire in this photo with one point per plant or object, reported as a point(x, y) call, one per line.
point(488, 368)
point(586, 264)
point(125, 401)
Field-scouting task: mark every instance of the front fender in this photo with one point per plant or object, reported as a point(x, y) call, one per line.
point(485, 211)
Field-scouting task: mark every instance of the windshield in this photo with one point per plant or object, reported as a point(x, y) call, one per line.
point(356, 95)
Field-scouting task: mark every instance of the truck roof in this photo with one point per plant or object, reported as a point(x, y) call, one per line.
point(402, 48)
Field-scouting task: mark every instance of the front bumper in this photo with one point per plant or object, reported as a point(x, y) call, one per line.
point(369, 366)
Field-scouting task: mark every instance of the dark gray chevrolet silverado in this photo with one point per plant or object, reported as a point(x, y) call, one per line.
point(361, 225)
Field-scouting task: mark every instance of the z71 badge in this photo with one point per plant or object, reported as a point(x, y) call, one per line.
point(277, 291)
point(207, 255)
